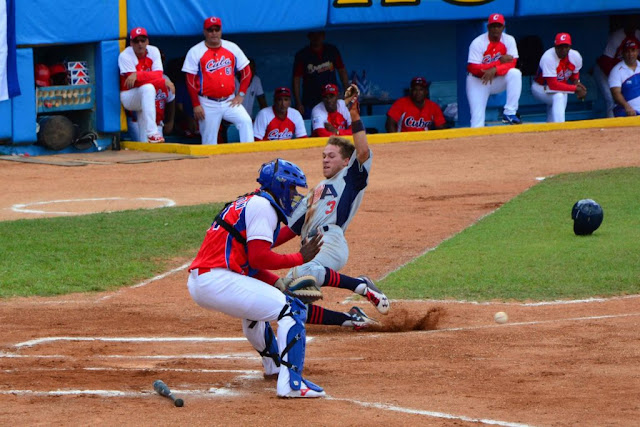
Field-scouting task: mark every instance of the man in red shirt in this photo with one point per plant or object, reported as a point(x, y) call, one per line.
point(415, 112)
point(210, 68)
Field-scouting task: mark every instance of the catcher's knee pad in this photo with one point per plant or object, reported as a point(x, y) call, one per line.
point(296, 341)
point(261, 336)
point(587, 216)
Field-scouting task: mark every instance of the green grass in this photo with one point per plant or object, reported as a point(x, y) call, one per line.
point(527, 249)
point(524, 251)
point(97, 252)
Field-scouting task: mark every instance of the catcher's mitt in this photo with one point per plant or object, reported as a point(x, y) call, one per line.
point(304, 288)
point(351, 94)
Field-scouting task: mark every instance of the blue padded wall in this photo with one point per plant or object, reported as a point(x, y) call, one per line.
point(24, 106)
point(107, 87)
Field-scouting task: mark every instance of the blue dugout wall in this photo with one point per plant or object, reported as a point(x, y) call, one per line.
point(392, 40)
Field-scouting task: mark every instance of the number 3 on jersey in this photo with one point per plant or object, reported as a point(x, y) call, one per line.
point(331, 204)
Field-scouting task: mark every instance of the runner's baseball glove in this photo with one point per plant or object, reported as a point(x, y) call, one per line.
point(304, 288)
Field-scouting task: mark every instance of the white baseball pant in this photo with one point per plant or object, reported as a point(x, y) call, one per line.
point(478, 94)
point(215, 112)
point(556, 102)
point(142, 100)
point(134, 130)
point(333, 254)
point(247, 298)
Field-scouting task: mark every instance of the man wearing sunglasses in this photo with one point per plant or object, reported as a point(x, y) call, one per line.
point(210, 68)
point(141, 80)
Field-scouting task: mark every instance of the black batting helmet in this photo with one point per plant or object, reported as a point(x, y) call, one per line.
point(587, 216)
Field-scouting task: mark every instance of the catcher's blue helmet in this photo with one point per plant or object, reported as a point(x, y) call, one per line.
point(587, 216)
point(280, 178)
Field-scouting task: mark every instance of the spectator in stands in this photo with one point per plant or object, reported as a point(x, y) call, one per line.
point(314, 67)
point(624, 81)
point(492, 69)
point(331, 116)
point(141, 78)
point(279, 121)
point(415, 112)
point(558, 75)
point(612, 55)
point(254, 91)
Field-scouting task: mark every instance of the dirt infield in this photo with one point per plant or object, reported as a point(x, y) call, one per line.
point(92, 359)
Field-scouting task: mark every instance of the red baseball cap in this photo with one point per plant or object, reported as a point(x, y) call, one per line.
point(330, 89)
point(419, 81)
point(630, 43)
point(42, 75)
point(57, 69)
point(211, 21)
point(563, 38)
point(138, 32)
point(281, 92)
point(496, 18)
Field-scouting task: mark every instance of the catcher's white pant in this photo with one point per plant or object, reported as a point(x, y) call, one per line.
point(245, 298)
point(142, 100)
point(556, 102)
point(215, 112)
point(478, 94)
point(333, 254)
point(603, 84)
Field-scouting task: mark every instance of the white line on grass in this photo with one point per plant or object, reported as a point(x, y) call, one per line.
point(432, 414)
point(146, 282)
point(22, 207)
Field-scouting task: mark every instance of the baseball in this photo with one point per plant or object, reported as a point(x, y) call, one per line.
point(501, 317)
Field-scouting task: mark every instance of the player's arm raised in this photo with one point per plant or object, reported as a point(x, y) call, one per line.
point(359, 134)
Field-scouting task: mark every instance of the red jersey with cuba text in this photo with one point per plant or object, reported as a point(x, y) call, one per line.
point(410, 118)
point(215, 67)
point(268, 127)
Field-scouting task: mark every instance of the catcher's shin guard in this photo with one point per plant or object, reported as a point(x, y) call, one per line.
point(292, 356)
point(261, 336)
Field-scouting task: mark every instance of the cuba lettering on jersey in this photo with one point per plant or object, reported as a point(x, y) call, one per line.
point(340, 119)
point(410, 118)
point(484, 51)
point(562, 69)
point(268, 127)
point(128, 62)
point(333, 201)
point(220, 249)
point(215, 67)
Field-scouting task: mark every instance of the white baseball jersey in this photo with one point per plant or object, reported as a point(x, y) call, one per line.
point(561, 69)
point(628, 81)
point(128, 61)
point(268, 127)
point(481, 49)
point(333, 201)
point(320, 115)
point(254, 90)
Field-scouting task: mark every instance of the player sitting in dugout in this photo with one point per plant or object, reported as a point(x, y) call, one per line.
point(415, 112)
point(331, 116)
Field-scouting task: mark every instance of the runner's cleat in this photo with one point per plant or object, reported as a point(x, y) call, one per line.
point(375, 296)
